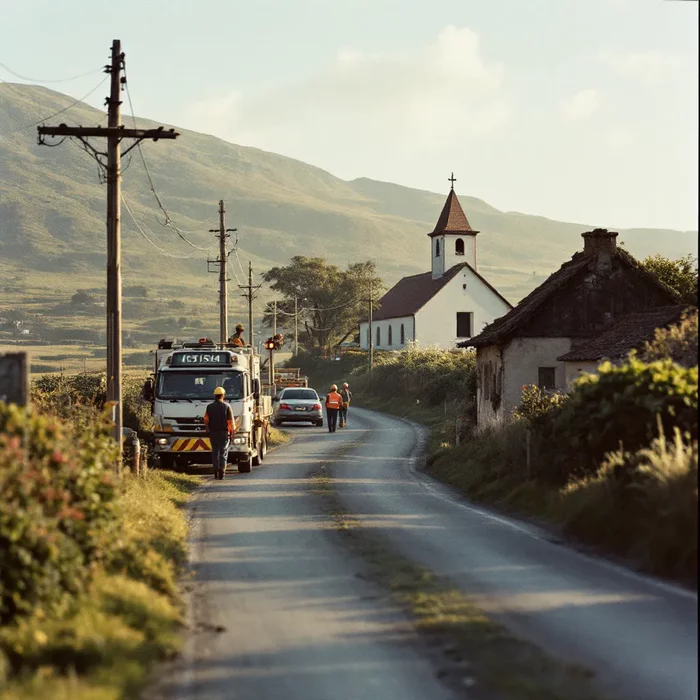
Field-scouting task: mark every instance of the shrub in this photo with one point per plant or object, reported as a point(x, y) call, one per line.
point(678, 342)
point(56, 509)
point(617, 406)
point(643, 505)
point(429, 375)
point(536, 403)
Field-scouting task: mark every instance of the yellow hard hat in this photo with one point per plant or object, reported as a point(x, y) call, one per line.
point(334, 387)
point(219, 391)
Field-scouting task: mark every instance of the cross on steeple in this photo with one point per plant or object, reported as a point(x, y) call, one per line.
point(452, 179)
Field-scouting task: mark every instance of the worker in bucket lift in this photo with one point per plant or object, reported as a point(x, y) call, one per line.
point(218, 420)
point(237, 338)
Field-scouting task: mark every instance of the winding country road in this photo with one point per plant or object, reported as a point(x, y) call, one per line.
point(279, 609)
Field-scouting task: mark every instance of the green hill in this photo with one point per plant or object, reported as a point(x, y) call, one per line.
point(52, 213)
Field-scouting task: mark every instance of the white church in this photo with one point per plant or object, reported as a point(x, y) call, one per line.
point(447, 305)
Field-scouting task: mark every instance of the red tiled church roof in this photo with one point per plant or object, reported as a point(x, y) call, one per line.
point(410, 294)
point(452, 218)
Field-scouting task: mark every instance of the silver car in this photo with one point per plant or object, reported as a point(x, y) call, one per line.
point(297, 405)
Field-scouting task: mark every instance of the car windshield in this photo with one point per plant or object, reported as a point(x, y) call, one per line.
point(299, 394)
point(199, 385)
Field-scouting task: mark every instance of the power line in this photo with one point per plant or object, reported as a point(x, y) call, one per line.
point(143, 233)
point(54, 80)
point(168, 219)
point(60, 111)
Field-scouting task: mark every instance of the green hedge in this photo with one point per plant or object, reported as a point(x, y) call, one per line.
point(617, 406)
point(430, 376)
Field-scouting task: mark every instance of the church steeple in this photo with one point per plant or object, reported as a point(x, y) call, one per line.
point(453, 240)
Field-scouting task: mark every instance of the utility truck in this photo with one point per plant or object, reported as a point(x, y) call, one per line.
point(183, 382)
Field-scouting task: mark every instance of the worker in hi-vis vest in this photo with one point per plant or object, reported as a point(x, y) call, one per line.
point(237, 338)
point(334, 402)
point(346, 395)
point(218, 420)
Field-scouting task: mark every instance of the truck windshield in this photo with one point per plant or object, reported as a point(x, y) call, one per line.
point(199, 385)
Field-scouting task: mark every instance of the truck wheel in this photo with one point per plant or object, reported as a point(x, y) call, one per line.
point(319, 423)
point(262, 450)
point(246, 467)
point(166, 461)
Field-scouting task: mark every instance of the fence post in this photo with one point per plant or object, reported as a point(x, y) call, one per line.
point(527, 451)
point(143, 463)
point(14, 378)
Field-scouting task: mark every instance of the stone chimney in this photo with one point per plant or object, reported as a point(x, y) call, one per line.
point(599, 240)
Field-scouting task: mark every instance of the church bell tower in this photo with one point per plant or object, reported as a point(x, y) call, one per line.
point(453, 241)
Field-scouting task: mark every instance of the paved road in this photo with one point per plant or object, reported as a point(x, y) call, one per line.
point(300, 624)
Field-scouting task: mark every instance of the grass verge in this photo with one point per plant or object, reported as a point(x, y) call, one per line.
point(478, 656)
point(277, 437)
point(130, 618)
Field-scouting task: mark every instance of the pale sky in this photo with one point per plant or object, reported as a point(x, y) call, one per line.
point(579, 110)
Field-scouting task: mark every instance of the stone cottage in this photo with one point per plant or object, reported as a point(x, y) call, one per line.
point(586, 296)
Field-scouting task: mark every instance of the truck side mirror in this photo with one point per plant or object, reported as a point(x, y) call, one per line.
point(256, 388)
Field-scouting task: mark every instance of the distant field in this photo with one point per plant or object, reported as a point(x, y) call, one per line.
point(71, 359)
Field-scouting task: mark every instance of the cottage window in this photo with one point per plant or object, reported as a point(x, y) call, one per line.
point(403, 335)
point(390, 340)
point(379, 336)
point(459, 247)
point(437, 249)
point(546, 378)
point(464, 324)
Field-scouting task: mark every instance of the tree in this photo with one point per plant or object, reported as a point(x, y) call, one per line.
point(82, 298)
point(135, 291)
point(680, 275)
point(679, 342)
point(330, 301)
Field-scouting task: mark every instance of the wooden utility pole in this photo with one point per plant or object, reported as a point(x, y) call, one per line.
point(221, 262)
point(115, 133)
point(249, 294)
point(296, 326)
point(371, 338)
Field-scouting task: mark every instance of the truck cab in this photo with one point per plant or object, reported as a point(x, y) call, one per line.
point(183, 386)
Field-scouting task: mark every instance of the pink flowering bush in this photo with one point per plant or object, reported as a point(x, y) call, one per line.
point(56, 510)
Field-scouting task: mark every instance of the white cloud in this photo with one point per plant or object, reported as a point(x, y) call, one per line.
point(644, 66)
point(617, 137)
point(441, 96)
point(580, 106)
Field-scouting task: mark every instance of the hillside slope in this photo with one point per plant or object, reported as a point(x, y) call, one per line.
point(52, 211)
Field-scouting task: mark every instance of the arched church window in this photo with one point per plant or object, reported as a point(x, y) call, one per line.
point(459, 247)
point(437, 249)
point(379, 335)
point(403, 335)
point(390, 339)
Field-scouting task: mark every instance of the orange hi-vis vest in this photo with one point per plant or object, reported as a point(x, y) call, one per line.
point(334, 400)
